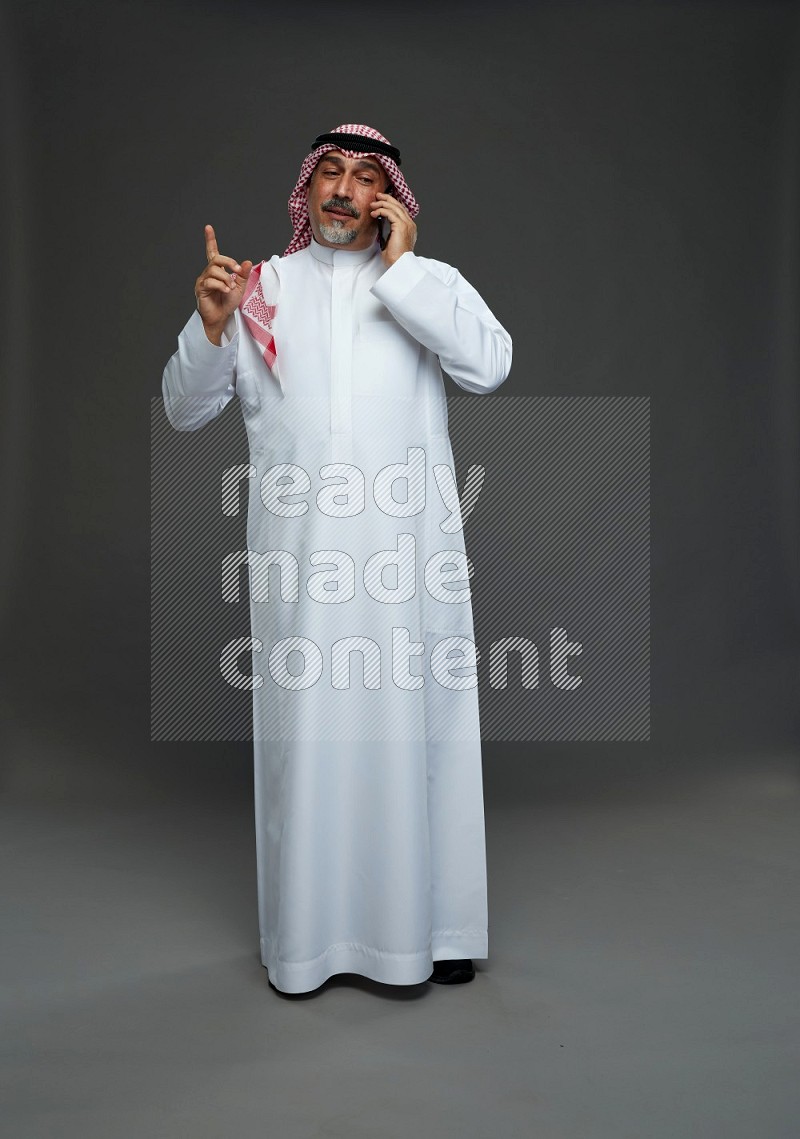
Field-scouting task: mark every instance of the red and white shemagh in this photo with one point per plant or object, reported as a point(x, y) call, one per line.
point(258, 314)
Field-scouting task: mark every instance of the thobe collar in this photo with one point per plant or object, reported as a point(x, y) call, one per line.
point(342, 258)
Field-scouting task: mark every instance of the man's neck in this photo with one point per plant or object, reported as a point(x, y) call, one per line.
point(337, 254)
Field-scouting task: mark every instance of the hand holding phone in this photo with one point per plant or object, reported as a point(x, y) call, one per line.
point(397, 231)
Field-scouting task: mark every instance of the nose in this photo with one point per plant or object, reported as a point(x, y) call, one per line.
point(344, 186)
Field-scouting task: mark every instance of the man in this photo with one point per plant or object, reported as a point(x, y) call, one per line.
point(368, 791)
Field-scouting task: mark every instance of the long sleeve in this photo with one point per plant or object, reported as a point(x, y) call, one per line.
point(441, 310)
point(200, 378)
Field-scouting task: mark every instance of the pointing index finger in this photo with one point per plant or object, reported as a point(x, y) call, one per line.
point(211, 243)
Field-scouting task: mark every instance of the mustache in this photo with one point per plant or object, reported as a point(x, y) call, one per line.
point(341, 204)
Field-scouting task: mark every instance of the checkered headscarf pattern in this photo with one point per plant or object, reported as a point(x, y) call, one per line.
point(298, 205)
point(259, 315)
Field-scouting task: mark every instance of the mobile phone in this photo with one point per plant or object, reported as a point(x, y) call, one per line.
point(384, 225)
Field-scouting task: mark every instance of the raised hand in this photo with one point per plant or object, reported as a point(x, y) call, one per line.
point(219, 288)
point(403, 237)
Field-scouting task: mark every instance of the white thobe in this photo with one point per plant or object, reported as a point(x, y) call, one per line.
point(369, 813)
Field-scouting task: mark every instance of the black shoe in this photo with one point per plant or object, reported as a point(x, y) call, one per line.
point(452, 972)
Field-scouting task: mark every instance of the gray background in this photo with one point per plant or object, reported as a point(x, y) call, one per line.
point(620, 181)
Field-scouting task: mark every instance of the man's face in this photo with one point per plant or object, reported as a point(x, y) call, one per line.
point(340, 195)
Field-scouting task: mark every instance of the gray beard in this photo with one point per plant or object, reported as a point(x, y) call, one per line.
point(336, 234)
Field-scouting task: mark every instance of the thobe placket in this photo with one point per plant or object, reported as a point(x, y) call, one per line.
point(342, 330)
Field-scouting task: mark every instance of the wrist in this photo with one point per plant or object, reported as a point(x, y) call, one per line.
point(390, 259)
point(214, 333)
